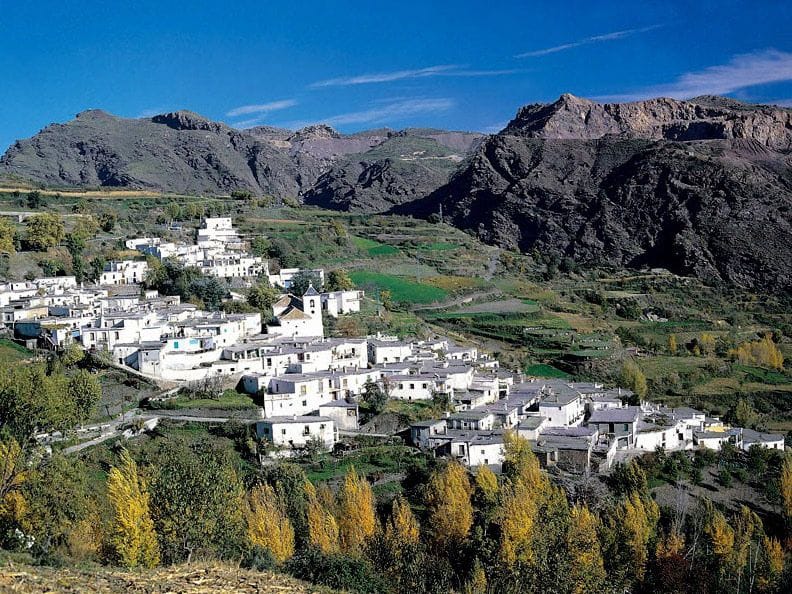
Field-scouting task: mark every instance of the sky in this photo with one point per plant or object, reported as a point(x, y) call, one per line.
point(464, 65)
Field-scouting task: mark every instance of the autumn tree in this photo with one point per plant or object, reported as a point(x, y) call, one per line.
point(14, 472)
point(706, 343)
point(402, 528)
point(132, 539)
point(786, 488)
point(586, 565)
point(448, 501)
point(672, 344)
point(322, 525)
point(268, 526)
point(763, 352)
point(356, 514)
point(633, 378)
point(44, 230)
point(7, 234)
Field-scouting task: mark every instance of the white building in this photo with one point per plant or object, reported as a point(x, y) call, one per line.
point(294, 432)
point(124, 272)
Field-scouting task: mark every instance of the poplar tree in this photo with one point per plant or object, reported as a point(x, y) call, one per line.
point(402, 528)
point(450, 509)
point(586, 566)
point(132, 538)
point(268, 526)
point(356, 514)
point(322, 525)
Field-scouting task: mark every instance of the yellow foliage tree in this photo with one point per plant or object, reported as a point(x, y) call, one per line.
point(322, 525)
point(487, 488)
point(478, 580)
point(356, 514)
point(763, 352)
point(450, 509)
point(672, 344)
point(633, 378)
point(585, 555)
point(7, 232)
point(774, 555)
point(786, 486)
point(639, 518)
point(707, 342)
point(13, 474)
point(720, 534)
point(402, 528)
point(131, 535)
point(268, 526)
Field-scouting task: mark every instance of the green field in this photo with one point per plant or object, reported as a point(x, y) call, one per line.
point(543, 370)
point(374, 248)
point(229, 400)
point(439, 246)
point(402, 290)
point(11, 352)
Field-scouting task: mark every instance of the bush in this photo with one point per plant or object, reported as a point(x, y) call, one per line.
point(336, 571)
point(725, 477)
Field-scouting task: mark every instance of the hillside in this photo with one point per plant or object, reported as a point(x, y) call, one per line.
point(702, 187)
point(183, 152)
point(189, 579)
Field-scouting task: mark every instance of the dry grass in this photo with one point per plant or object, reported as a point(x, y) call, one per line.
point(195, 579)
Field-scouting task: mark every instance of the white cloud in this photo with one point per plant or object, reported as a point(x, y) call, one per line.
point(387, 112)
point(430, 71)
point(586, 41)
point(742, 71)
point(262, 108)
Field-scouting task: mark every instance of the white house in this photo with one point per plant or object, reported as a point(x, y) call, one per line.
point(341, 302)
point(562, 409)
point(123, 272)
point(294, 432)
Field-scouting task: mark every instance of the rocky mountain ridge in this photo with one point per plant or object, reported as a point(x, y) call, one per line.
point(701, 187)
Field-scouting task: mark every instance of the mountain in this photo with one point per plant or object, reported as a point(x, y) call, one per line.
point(184, 152)
point(701, 187)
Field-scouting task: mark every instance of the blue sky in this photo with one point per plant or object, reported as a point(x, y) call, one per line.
point(356, 65)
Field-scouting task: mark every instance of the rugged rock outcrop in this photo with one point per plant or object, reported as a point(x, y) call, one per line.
point(184, 152)
point(701, 187)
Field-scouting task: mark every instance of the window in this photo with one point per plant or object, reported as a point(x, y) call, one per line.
point(305, 403)
point(412, 386)
point(306, 430)
point(321, 427)
point(175, 344)
point(283, 431)
point(303, 390)
point(626, 427)
point(269, 362)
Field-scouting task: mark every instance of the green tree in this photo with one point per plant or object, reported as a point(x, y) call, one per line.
point(339, 280)
point(633, 378)
point(262, 296)
point(197, 502)
point(302, 280)
point(44, 230)
point(260, 246)
point(85, 390)
point(374, 396)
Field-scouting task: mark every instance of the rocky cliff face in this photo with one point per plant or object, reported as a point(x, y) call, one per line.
point(702, 187)
point(184, 152)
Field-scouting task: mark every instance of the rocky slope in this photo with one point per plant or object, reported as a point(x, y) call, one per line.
point(184, 152)
point(702, 187)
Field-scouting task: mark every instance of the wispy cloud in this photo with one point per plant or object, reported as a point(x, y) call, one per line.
point(263, 108)
point(742, 71)
point(430, 71)
point(586, 41)
point(382, 114)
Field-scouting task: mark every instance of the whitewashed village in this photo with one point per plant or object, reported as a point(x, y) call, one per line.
point(308, 386)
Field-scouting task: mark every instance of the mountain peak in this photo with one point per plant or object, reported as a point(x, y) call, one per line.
point(314, 132)
point(187, 120)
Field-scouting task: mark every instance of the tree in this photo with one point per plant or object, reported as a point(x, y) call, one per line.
point(356, 515)
point(449, 506)
point(198, 502)
point(707, 343)
point(34, 200)
point(85, 390)
point(304, 279)
point(629, 478)
point(633, 378)
point(763, 352)
point(402, 528)
point(44, 230)
point(339, 280)
point(786, 488)
point(262, 296)
point(72, 354)
point(374, 396)
point(7, 234)
point(638, 518)
point(13, 475)
point(209, 290)
point(268, 526)
point(322, 525)
point(173, 210)
point(672, 344)
point(586, 565)
point(108, 220)
point(133, 541)
point(486, 488)
point(260, 246)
